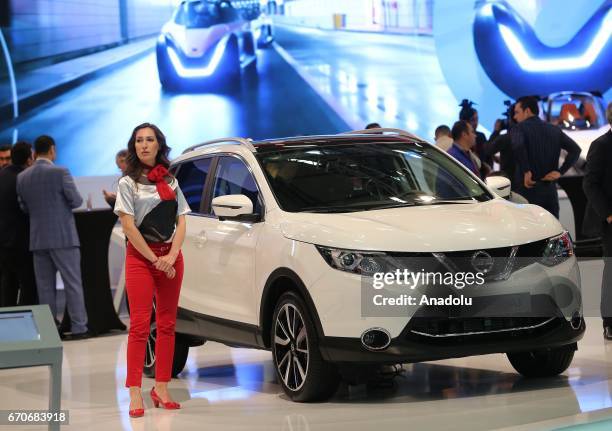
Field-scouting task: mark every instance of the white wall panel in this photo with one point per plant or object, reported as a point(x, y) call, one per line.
point(46, 28)
point(146, 17)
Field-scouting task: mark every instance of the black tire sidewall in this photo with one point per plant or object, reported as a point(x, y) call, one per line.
point(546, 363)
point(319, 382)
point(165, 71)
point(181, 352)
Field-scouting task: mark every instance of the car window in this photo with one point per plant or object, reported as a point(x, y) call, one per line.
point(227, 13)
point(191, 178)
point(234, 178)
point(358, 177)
point(205, 13)
point(575, 112)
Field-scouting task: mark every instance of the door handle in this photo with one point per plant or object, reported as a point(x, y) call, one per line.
point(200, 239)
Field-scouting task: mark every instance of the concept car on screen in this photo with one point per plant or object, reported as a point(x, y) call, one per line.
point(210, 41)
point(286, 236)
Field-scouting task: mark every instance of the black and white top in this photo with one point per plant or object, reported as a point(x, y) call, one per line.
point(154, 218)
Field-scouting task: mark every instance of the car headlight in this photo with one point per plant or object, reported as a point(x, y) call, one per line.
point(357, 262)
point(558, 249)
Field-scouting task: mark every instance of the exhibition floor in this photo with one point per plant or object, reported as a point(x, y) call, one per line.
point(235, 389)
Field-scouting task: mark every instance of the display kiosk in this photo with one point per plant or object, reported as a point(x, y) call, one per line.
point(29, 338)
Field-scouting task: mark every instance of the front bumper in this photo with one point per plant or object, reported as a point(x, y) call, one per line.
point(411, 347)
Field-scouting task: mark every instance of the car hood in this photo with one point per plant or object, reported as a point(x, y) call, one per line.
point(430, 228)
point(584, 138)
point(195, 42)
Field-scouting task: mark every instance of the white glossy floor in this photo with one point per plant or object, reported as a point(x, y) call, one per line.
point(235, 389)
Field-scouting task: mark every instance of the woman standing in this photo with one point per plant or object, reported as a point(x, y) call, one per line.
point(152, 211)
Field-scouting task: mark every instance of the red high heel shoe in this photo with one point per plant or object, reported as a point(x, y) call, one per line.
point(170, 405)
point(136, 413)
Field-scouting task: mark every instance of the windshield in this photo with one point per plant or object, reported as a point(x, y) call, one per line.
point(575, 112)
point(205, 13)
point(358, 177)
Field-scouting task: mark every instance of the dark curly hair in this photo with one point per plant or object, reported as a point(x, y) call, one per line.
point(134, 166)
point(467, 110)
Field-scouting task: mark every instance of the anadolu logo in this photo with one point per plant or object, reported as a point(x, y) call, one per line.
point(519, 63)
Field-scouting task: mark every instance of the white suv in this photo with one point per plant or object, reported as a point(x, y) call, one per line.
point(287, 235)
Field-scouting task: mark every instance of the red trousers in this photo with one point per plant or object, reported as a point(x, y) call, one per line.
point(142, 282)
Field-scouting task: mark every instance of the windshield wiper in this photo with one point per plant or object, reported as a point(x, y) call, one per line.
point(459, 201)
point(330, 209)
point(396, 205)
point(451, 202)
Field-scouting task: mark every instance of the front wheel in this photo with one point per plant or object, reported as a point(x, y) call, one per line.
point(230, 68)
point(543, 363)
point(165, 71)
point(300, 368)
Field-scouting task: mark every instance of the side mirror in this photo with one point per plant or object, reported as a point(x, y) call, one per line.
point(501, 186)
point(233, 207)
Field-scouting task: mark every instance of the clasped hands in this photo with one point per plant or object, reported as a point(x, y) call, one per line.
point(166, 265)
point(551, 176)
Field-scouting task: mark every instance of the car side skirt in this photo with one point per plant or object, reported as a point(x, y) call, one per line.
point(228, 332)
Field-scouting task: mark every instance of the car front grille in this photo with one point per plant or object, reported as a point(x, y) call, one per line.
point(505, 260)
point(457, 327)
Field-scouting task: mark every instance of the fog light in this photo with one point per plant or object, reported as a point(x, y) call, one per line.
point(376, 339)
point(576, 321)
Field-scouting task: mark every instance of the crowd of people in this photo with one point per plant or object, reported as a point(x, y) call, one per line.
point(38, 233)
point(527, 150)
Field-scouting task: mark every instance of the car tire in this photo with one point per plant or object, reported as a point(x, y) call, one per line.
point(232, 65)
point(167, 78)
point(543, 363)
point(266, 38)
point(181, 351)
point(301, 370)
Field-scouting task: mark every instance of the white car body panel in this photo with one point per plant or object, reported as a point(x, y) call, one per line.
point(225, 252)
point(496, 223)
point(195, 42)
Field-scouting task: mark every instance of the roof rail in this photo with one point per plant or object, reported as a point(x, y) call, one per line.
point(382, 131)
point(224, 141)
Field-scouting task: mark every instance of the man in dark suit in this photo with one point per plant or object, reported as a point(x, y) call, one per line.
point(597, 186)
point(18, 285)
point(48, 194)
point(537, 147)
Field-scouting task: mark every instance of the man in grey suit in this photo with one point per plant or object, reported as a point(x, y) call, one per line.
point(48, 193)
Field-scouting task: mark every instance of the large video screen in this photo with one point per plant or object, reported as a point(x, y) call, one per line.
point(87, 74)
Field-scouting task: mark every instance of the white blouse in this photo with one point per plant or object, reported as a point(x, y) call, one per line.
point(138, 200)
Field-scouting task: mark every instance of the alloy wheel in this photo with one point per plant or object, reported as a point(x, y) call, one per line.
point(291, 347)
